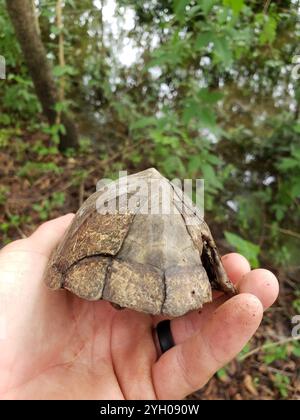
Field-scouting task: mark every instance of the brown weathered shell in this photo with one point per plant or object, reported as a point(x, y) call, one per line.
point(153, 263)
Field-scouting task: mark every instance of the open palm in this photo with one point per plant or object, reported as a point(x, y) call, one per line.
point(54, 345)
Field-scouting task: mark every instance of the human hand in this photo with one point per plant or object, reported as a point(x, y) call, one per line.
point(54, 345)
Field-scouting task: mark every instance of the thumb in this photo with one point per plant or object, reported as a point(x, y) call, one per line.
point(49, 234)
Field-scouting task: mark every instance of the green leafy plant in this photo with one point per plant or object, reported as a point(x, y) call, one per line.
point(245, 351)
point(45, 208)
point(6, 134)
point(296, 302)
point(222, 374)
point(35, 169)
point(274, 353)
point(4, 190)
point(246, 248)
point(296, 349)
point(54, 131)
point(43, 150)
point(282, 382)
point(13, 223)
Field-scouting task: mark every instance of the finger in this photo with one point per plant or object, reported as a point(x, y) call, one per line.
point(236, 266)
point(188, 366)
point(261, 283)
point(48, 235)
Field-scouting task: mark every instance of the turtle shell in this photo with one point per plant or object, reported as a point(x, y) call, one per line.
point(140, 244)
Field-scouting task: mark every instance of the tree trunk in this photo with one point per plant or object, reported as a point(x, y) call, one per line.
point(22, 16)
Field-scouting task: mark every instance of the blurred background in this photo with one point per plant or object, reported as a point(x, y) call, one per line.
point(198, 89)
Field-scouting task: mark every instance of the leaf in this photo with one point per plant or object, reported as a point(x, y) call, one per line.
point(5, 119)
point(208, 97)
point(60, 71)
point(194, 164)
point(246, 248)
point(191, 110)
point(296, 128)
point(173, 165)
point(162, 139)
point(269, 31)
point(213, 159)
point(62, 106)
point(34, 168)
point(193, 11)
point(288, 163)
point(207, 118)
point(172, 53)
point(245, 350)
point(204, 39)
point(210, 177)
point(180, 7)
point(222, 375)
point(143, 123)
point(296, 349)
point(194, 109)
point(282, 382)
point(222, 51)
point(279, 211)
point(296, 152)
point(55, 30)
point(235, 5)
point(274, 353)
point(206, 5)
point(295, 190)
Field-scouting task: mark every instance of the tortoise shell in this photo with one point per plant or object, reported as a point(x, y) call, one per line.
point(123, 249)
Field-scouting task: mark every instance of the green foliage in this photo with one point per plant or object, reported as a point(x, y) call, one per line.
point(60, 71)
point(282, 383)
point(35, 169)
point(6, 134)
point(18, 100)
point(246, 248)
point(236, 5)
point(222, 374)
point(4, 190)
point(296, 349)
point(296, 302)
point(43, 150)
point(19, 97)
point(14, 221)
point(180, 8)
point(45, 208)
point(54, 131)
point(79, 176)
point(245, 351)
point(268, 28)
point(207, 5)
point(5, 120)
point(85, 145)
point(274, 353)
